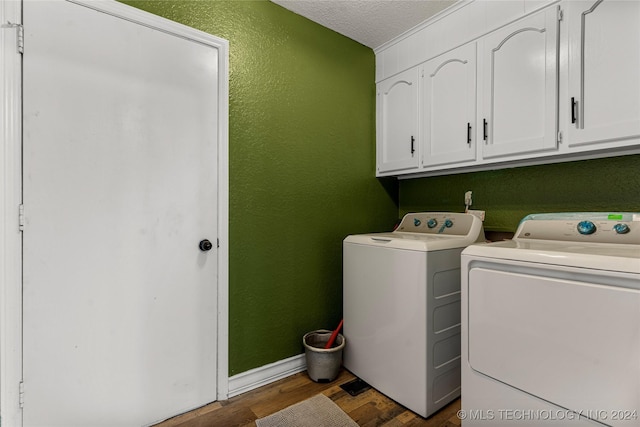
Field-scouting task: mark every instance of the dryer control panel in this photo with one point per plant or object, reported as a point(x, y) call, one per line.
point(593, 227)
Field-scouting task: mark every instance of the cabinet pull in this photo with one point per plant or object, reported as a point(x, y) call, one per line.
point(469, 133)
point(484, 130)
point(413, 149)
point(573, 110)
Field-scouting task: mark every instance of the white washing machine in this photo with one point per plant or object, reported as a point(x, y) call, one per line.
point(402, 308)
point(551, 324)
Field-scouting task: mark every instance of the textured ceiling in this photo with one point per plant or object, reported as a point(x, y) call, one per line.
point(370, 22)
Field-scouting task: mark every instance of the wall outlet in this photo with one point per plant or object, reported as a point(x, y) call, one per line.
point(479, 214)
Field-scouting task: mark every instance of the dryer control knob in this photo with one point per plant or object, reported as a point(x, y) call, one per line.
point(586, 227)
point(416, 222)
point(448, 223)
point(621, 228)
point(432, 223)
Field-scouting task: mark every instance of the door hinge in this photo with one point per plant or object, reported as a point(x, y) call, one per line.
point(217, 243)
point(559, 137)
point(21, 217)
point(560, 14)
point(20, 34)
point(21, 394)
point(20, 39)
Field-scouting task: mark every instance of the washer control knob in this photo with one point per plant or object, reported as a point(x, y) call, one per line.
point(416, 222)
point(586, 227)
point(432, 223)
point(621, 228)
point(448, 223)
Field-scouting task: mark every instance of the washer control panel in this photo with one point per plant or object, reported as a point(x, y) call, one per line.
point(444, 223)
point(594, 227)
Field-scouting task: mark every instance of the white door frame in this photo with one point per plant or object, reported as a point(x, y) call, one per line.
point(11, 193)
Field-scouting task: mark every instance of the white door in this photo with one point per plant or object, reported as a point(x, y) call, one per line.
point(520, 89)
point(449, 107)
point(604, 64)
point(120, 140)
point(397, 134)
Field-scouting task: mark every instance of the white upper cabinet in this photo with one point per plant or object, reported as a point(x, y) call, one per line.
point(532, 5)
point(501, 84)
point(604, 71)
point(519, 80)
point(397, 122)
point(448, 115)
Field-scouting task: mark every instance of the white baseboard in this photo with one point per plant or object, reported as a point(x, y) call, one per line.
point(266, 374)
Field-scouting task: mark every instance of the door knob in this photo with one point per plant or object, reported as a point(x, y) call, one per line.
point(205, 245)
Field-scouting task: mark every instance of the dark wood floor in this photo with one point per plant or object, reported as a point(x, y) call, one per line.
point(369, 409)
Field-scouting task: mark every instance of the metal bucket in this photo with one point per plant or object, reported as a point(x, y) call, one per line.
point(323, 365)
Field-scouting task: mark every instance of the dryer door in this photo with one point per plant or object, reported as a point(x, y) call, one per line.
point(568, 336)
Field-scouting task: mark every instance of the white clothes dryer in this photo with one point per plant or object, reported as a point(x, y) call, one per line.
point(551, 324)
point(402, 307)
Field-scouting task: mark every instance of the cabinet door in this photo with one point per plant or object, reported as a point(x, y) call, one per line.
point(397, 133)
point(449, 107)
point(520, 87)
point(604, 70)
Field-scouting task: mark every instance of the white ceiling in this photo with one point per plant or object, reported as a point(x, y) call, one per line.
point(370, 22)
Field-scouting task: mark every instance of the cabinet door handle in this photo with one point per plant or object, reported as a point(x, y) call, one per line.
point(484, 130)
point(413, 149)
point(573, 110)
point(469, 133)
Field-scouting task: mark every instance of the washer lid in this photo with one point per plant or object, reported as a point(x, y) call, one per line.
point(427, 231)
point(410, 241)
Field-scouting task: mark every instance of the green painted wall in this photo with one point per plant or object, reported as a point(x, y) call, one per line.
point(302, 154)
point(302, 158)
point(507, 195)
